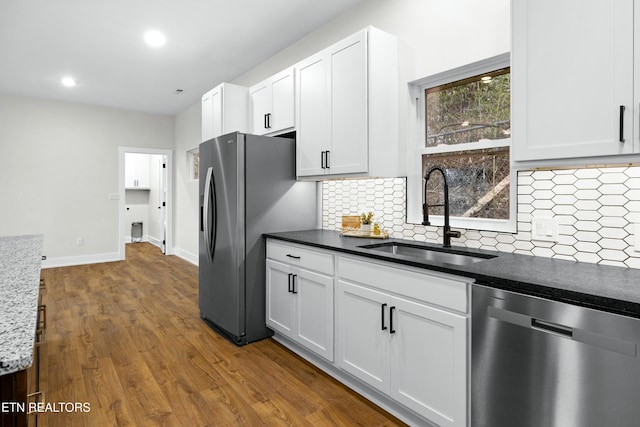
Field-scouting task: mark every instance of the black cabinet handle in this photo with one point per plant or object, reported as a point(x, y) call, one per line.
point(391, 330)
point(268, 120)
point(327, 160)
point(322, 159)
point(264, 121)
point(289, 283)
point(622, 108)
point(293, 256)
point(293, 284)
point(382, 307)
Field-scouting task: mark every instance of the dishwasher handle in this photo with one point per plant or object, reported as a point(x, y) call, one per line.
point(555, 328)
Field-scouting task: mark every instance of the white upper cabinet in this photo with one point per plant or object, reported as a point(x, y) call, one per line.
point(137, 170)
point(224, 110)
point(347, 108)
point(573, 82)
point(272, 104)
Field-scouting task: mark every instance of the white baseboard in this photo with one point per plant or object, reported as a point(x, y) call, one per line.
point(80, 260)
point(185, 255)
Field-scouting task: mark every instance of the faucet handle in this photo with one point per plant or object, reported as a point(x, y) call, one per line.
point(454, 233)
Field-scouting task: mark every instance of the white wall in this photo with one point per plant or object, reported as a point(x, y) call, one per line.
point(186, 219)
point(58, 165)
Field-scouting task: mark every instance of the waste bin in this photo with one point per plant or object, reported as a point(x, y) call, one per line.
point(136, 232)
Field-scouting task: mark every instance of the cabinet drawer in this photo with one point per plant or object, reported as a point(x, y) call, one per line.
point(300, 256)
point(425, 287)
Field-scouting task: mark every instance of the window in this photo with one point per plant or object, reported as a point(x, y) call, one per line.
point(193, 163)
point(464, 127)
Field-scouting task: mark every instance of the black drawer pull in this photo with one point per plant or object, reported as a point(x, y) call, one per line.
point(622, 108)
point(391, 330)
point(293, 256)
point(382, 307)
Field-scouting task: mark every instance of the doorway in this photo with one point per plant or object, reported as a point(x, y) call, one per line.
point(145, 198)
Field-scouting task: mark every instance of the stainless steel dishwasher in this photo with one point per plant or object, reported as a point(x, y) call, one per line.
point(543, 363)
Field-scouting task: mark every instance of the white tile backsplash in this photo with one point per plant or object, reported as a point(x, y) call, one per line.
point(595, 207)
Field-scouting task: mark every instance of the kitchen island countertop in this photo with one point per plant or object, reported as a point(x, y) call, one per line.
point(611, 289)
point(20, 262)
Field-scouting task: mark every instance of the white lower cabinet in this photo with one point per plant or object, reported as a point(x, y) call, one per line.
point(300, 305)
point(401, 344)
point(398, 330)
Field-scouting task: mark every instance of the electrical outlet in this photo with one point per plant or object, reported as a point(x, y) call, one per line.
point(544, 229)
point(114, 196)
point(80, 241)
point(44, 257)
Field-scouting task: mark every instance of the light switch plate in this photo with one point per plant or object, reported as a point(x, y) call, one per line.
point(544, 229)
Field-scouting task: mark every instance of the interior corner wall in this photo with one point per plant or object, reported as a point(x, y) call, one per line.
point(58, 166)
point(188, 133)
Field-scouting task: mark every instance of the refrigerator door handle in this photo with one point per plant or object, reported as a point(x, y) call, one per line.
point(205, 222)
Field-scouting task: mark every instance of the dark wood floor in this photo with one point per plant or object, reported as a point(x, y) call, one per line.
point(126, 337)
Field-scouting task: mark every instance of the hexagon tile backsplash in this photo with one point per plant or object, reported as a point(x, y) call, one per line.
point(596, 209)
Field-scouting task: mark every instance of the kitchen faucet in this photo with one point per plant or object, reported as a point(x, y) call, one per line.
point(448, 234)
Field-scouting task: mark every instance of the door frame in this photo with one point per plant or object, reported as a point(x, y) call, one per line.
point(121, 199)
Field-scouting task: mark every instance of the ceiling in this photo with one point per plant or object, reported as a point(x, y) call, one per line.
point(100, 43)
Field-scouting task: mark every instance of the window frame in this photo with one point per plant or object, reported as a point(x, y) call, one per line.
point(415, 180)
point(190, 163)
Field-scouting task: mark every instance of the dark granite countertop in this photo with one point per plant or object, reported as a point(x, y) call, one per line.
point(611, 289)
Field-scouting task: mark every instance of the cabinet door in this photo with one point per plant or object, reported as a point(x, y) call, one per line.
point(279, 298)
point(130, 170)
point(313, 301)
point(572, 71)
point(260, 106)
point(349, 106)
point(143, 170)
point(429, 361)
point(312, 104)
point(363, 334)
point(282, 101)
point(216, 112)
point(207, 116)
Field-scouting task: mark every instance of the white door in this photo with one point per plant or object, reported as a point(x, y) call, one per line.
point(313, 131)
point(429, 361)
point(349, 106)
point(260, 107)
point(279, 298)
point(207, 116)
point(282, 101)
point(363, 334)
point(572, 72)
point(163, 202)
point(216, 112)
point(313, 300)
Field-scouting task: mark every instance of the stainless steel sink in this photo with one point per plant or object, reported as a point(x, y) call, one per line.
point(455, 257)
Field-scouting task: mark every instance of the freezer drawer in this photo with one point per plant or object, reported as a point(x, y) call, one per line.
point(537, 362)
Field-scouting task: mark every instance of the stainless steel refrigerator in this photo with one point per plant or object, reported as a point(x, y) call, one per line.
point(247, 188)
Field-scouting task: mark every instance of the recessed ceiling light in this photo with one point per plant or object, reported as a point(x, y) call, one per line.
point(68, 81)
point(154, 38)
